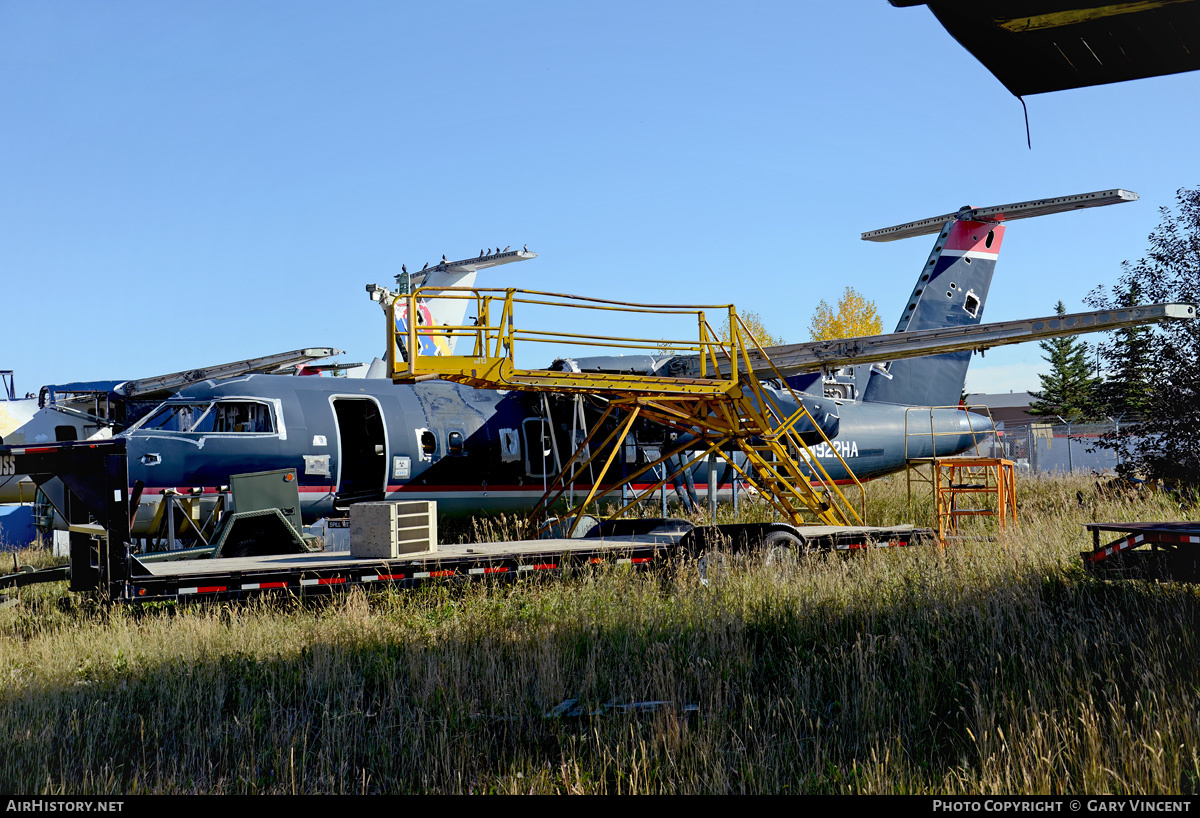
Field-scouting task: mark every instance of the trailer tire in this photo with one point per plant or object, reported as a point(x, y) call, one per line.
point(781, 549)
point(712, 566)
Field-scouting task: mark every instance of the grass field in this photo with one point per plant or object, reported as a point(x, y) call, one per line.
point(987, 667)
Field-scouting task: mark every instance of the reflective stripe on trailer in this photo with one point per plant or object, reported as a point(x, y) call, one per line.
point(542, 566)
point(499, 569)
point(1117, 547)
point(428, 574)
point(260, 586)
point(381, 577)
point(324, 581)
point(1175, 538)
point(204, 589)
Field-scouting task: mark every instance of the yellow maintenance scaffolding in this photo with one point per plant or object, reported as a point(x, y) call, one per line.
point(723, 409)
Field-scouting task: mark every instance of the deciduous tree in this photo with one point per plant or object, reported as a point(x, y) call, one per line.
point(753, 322)
point(853, 316)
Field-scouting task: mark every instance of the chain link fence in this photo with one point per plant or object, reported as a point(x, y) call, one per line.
point(1046, 449)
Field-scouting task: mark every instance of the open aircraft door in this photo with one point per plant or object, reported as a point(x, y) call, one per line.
point(540, 459)
point(362, 450)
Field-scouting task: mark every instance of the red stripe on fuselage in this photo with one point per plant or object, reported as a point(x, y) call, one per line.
point(151, 492)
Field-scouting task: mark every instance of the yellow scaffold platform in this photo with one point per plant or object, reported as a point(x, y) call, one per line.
point(723, 409)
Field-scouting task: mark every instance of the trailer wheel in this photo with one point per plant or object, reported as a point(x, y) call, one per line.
point(781, 549)
point(782, 542)
point(712, 565)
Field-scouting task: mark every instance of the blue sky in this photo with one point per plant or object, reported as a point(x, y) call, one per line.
point(186, 184)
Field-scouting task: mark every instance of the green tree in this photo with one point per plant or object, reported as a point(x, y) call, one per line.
point(1069, 389)
point(1165, 443)
point(1124, 393)
point(855, 316)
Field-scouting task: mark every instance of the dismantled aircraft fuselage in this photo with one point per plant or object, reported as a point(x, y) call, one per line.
point(352, 440)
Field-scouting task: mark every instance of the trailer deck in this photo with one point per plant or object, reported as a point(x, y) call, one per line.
point(1145, 550)
point(340, 570)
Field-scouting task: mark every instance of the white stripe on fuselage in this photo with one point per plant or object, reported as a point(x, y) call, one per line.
point(980, 254)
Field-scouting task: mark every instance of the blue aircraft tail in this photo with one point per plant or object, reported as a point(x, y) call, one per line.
point(950, 292)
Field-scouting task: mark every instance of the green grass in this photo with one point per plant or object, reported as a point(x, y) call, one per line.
point(987, 667)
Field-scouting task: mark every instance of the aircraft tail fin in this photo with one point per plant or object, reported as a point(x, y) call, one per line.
point(950, 292)
point(449, 311)
point(952, 289)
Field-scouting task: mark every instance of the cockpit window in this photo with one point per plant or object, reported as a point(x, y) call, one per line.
point(220, 417)
point(242, 416)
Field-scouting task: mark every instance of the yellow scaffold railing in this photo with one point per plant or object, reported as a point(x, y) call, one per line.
point(715, 413)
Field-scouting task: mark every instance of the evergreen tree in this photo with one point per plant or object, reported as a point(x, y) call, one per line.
point(1124, 394)
point(1069, 390)
point(1164, 366)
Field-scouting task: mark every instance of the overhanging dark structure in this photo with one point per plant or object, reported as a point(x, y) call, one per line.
point(1038, 46)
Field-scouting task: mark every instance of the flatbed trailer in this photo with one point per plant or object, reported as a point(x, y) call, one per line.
point(510, 560)
point(1145, 550)
point(98, 509)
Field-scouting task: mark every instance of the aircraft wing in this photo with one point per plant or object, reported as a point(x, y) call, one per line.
point(278, 363)
point(795, 359)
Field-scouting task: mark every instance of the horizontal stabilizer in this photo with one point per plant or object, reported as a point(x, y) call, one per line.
point(267, 364)
point(794, 359)
point(1003, 213)
point(471, 265)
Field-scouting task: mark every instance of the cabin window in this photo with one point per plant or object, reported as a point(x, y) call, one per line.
point(65, 433)
point(454, 444)
point(428, 444)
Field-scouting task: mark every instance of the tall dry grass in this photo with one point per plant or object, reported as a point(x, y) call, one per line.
point(988, 667)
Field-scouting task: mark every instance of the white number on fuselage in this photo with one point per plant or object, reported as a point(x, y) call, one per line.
point(846, 448)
